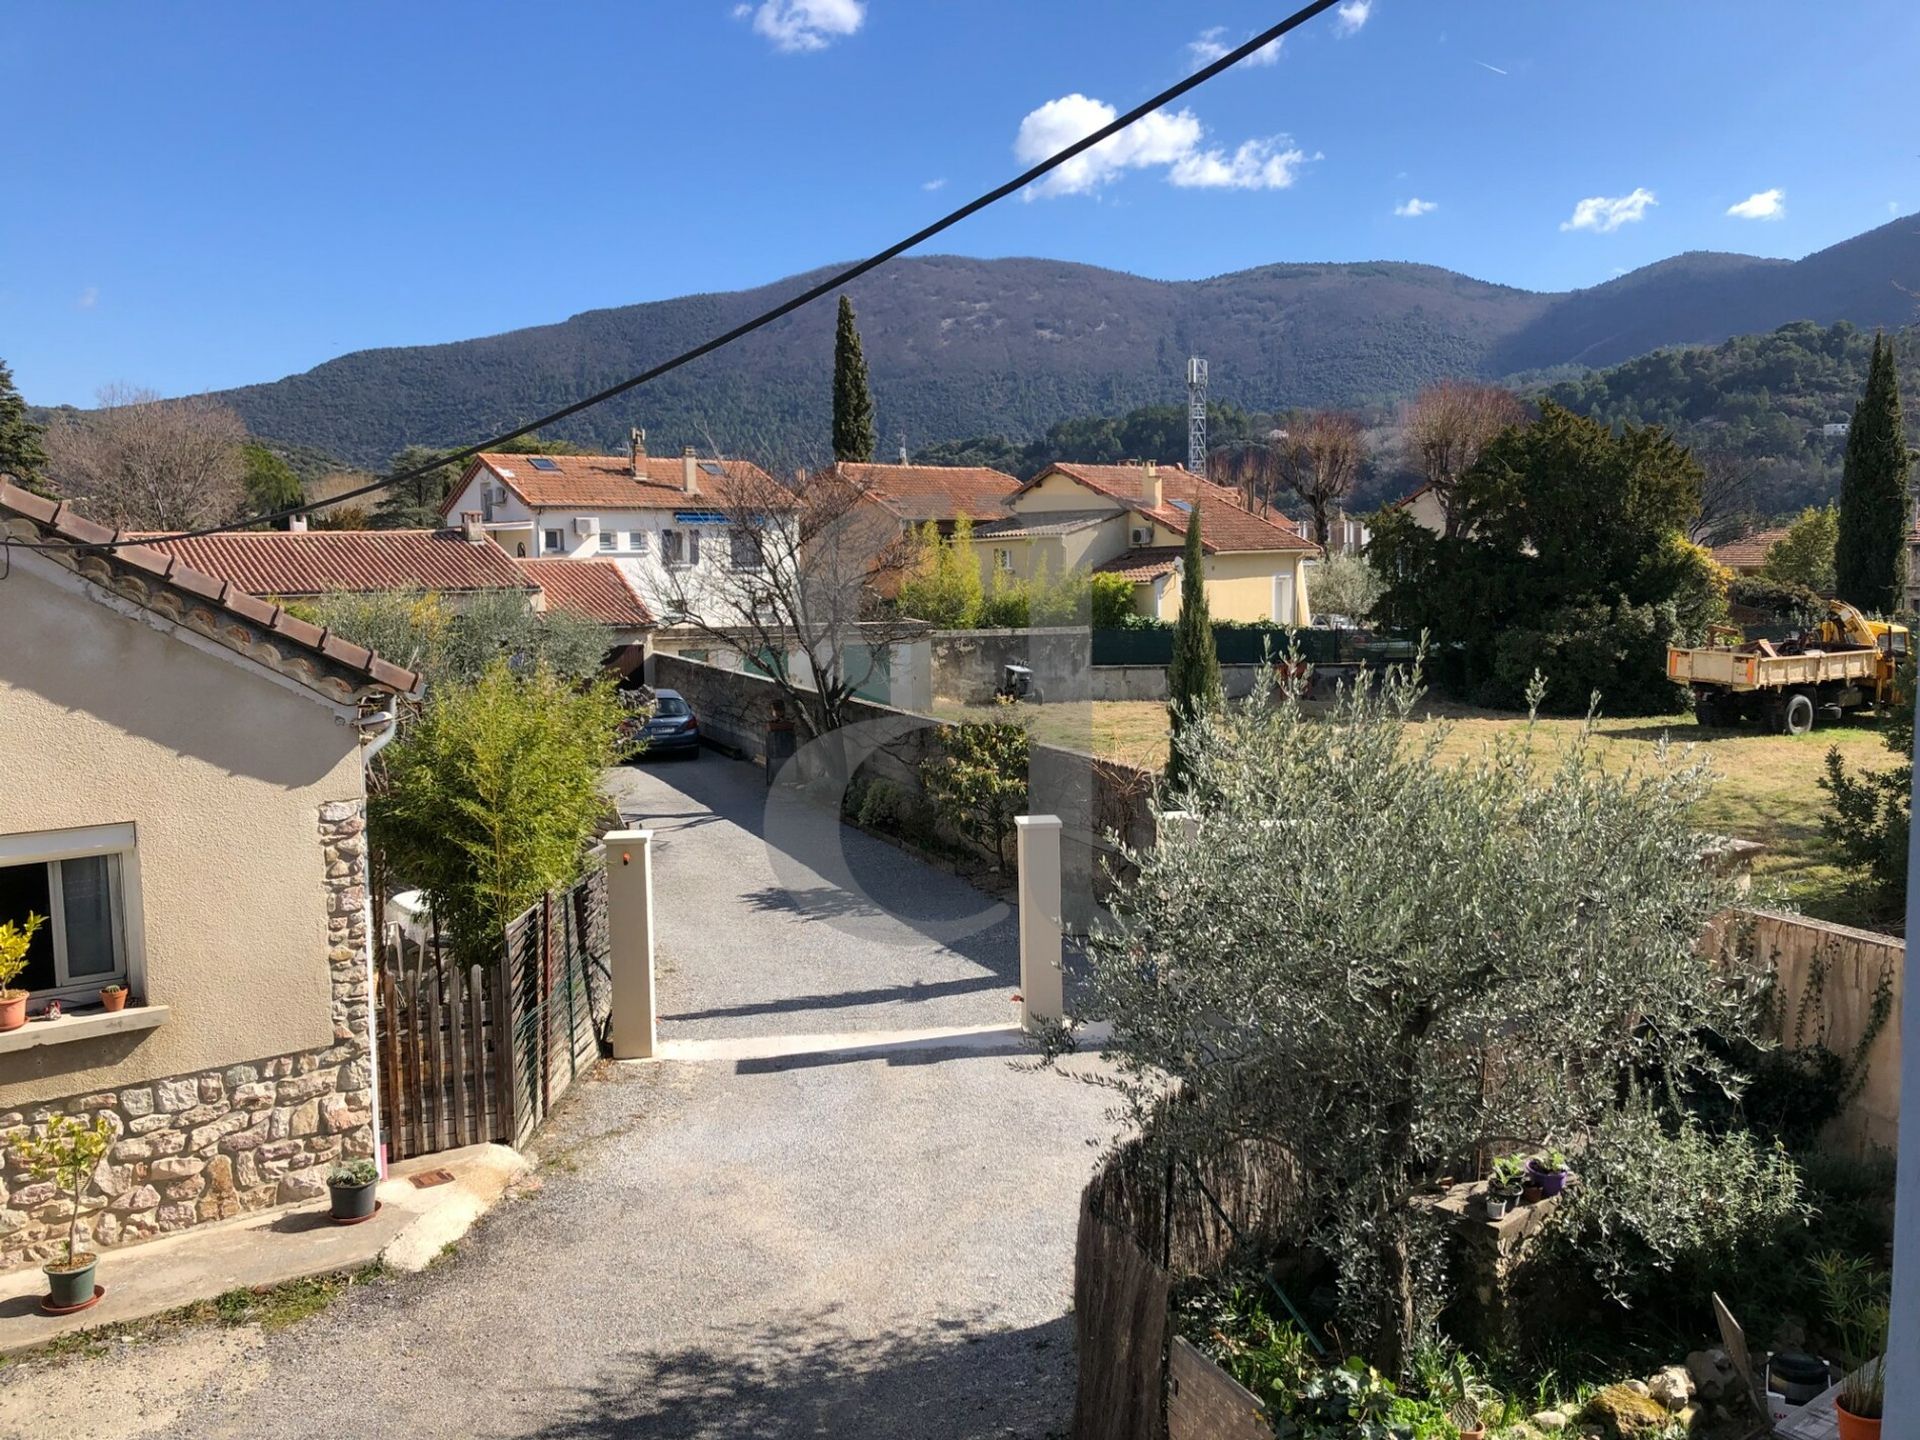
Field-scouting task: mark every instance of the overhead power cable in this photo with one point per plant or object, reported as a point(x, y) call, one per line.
point(786, 307)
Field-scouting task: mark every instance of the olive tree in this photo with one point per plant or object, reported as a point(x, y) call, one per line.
point(1387, 964)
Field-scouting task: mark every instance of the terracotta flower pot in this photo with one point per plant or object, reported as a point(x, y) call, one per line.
point(114, 997)
point(13, 1009)
point(1855, 1427)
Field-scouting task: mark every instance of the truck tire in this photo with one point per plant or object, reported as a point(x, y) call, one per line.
point(1797, 717)
point(1707, 710)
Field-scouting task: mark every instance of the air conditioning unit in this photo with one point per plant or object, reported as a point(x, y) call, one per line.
point(586, 525)
point(1140, 535)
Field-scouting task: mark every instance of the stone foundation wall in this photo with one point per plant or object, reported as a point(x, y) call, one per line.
point(208, 1146)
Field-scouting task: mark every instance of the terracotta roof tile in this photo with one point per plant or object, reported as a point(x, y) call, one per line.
point(1225, 522)
point(1749, 552)
point(597, 590)
point(313, 562)
point(1147, 563)
point(57, 521)
point(606, 482)
point(935, 492)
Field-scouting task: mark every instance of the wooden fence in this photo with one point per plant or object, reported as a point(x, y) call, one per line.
point(483, 1052)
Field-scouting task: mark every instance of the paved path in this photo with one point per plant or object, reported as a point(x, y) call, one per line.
point(848, 1243)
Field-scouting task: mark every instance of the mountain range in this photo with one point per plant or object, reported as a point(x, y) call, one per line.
point(960, 347)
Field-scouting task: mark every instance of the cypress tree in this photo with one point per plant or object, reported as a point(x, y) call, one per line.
point(1193, 674)
point(1869, 559)
point(21, 454)
point(852, 401)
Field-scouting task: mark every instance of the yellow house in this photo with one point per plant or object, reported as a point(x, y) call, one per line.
point(1132, 520)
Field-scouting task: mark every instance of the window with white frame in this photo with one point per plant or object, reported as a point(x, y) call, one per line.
point(81, 883)
point(680, 547)
point(553, 541)
point(637, 541)
point(609, 540)
point(1002, 558)
point(743, 549)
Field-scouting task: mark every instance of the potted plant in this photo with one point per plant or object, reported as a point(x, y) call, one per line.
point(1503, 1186)
point(15, 940)
point(114, 997)
point(66, 1152)
point(1857, 1297)
point(351, 1186)
point(1464, 1395)
point(1548, 1173)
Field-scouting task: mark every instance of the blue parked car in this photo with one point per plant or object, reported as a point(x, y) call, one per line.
point(671, 729)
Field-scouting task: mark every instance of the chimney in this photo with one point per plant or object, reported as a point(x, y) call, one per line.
point(637, 452)
point(689, 472)
point(1151, 493)
point(296, 524)
point(471, 530)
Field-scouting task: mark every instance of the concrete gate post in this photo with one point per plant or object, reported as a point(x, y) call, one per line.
point(1042, 979)
point(630, 941)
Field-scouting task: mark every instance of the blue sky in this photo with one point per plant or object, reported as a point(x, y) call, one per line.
point(210, 194)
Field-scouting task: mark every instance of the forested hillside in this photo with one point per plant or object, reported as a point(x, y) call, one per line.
point(1761, 397)
point(960, 347)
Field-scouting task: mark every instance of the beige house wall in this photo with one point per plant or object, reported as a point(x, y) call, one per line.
point(1057, 492)
point(1244, 585)
point(222, 771)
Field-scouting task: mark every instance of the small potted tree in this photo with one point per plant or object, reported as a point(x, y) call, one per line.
point(1857, 1297)
point(66, 1152)
point(15, 940)
point(351, 1187)
point(1503, 1186)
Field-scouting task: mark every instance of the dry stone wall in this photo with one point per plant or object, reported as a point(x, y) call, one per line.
point(189, 1149)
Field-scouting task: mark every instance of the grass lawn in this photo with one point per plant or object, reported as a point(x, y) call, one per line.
point(1764, 787)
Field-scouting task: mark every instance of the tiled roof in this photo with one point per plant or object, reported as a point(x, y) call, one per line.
point(597, 590)
point(935, 492)
point(1749, 552)
point(1225, 522)
point(293, 564)
point(607, 482)
point(1148, 563)
point(260, 630)
point(1044, 522)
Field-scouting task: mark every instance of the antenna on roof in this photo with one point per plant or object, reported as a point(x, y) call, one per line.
point(1197, 416)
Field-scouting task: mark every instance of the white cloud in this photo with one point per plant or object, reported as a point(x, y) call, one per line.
point(87, 298)
point(1212, 44)
point(1605, 214)
point(1153, 141)
point(939, 184)
point(1348, 18)
point(800, 25)
point(1415, 208)
point(1893, 207)
point(1761, 205)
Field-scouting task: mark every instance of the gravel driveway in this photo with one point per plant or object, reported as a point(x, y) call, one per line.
point(865, 1243)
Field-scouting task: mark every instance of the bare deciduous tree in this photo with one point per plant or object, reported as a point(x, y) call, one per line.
point(1447, 427)
point(150, 464)
point(1727, 493)
point(1318, 457)
point(797, 576)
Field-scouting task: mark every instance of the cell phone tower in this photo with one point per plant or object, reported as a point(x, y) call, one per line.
point(1197, 416)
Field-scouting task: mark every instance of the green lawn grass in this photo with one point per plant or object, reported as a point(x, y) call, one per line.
point(1764, 788)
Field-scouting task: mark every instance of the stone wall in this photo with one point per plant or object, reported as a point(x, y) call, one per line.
point(208, 1146)
point(967, 663)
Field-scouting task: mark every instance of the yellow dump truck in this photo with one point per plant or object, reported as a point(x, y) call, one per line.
point(1845, 663)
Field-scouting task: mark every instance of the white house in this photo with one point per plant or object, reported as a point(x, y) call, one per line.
point(667, 521)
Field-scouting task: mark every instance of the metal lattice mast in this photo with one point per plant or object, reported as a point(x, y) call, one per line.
point(1197, 416)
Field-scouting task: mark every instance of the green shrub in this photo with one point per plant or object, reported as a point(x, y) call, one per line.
point(1618, 651)
point(1664, 1209)
point(979, 783)
point(1112, 602)
point(880, 805)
